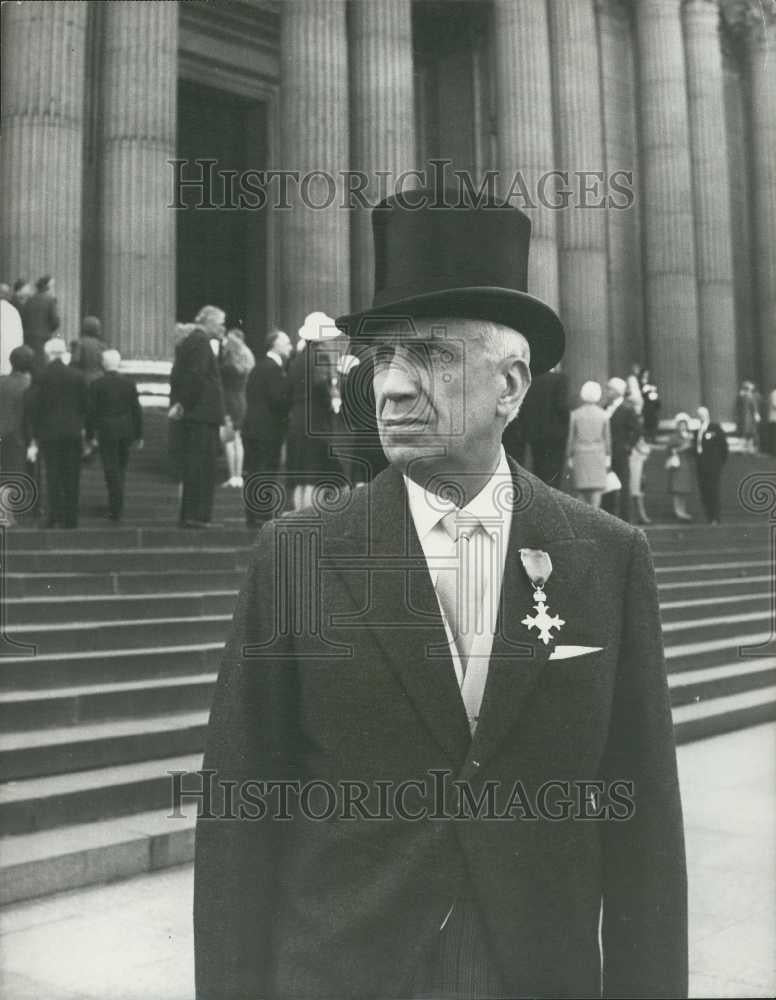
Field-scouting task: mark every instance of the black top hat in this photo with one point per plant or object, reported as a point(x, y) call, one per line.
point(469, 261)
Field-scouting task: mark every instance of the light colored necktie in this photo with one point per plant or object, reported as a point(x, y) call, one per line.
point(460, 588)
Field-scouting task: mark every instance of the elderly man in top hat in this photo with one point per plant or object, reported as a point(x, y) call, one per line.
point(440, 760)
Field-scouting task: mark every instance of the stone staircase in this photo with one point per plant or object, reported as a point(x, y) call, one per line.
point(118, 634)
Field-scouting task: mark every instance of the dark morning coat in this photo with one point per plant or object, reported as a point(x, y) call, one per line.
point(114, 412)
point(361, 687)
point(56, 403)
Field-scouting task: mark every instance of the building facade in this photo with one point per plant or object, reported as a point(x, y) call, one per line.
point(160, 155)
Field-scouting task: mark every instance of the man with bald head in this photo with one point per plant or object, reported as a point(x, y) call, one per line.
point(116, 420)
point(456, 675)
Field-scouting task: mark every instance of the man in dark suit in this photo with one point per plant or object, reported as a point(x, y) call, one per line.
point(40, 318)
point(197, 400)
point(711, 452)
point(452, 643)
point(266, 417)
point(625, 429)
point(115, 419)
point(56, 408)
point(544, 417)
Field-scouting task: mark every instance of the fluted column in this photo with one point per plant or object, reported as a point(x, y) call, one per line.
point(382, 137)
point(671, 292)
point(582, 223)
point(618, 96)
point(43, 71)
point(762, 70)
point(525, 129)
point(139, 84)
point(314, 118)
point(711, 188)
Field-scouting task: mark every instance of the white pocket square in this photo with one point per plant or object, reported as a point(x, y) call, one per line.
point(566, 652)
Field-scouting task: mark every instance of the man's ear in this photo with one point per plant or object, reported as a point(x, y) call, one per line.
point(517, 379)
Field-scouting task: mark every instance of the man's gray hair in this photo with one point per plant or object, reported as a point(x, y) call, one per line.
point(111, 359)
point(210, 312)
point(503, 342)
point(55, 347)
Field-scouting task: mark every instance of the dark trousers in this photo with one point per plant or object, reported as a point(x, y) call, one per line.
point(618, 502)
point(199, 455)
point(62, 465)
point(459, 964)
point(115, 456)
point(709, 480)
point(261, 458)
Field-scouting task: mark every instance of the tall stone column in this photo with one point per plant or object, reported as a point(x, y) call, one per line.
point(139, 83)
point(582, 223)
point(315, 264)
point(762, 73)
point(525, 130)
point(382, 137)
point(671, 292)
point(618, 97)
point(43, 71)
point(711, 187)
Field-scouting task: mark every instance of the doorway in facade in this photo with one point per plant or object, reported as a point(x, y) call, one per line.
point(222, 251)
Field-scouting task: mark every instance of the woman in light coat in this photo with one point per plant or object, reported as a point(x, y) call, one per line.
point(639, 452)
point(588, 450)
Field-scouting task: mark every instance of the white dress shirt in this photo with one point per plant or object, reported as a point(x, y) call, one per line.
point(492, 508)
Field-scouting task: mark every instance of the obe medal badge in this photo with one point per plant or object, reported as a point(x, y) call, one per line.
point(538, 567)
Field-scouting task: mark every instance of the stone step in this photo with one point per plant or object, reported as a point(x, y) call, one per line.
point(129, 537)
point(61, 670)
point(721, 626)
point(697, 655)
point(711, 570)
point(121, 582)
point(67, 706)
point(679, 590)
point(69, 857)
point(86, 561)
point(28, 611)
point(710, 607)
point(695, 686)
point(677, 556)
point(724, 715)
point(71, 637)
point(64, 749)
point(34, 804)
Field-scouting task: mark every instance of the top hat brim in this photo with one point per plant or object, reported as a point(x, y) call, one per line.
point(531, 317)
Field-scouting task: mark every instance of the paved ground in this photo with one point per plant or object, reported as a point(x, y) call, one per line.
point(132, 940)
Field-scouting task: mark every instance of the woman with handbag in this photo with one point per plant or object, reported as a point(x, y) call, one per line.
point(680, 477)
point(588, 449)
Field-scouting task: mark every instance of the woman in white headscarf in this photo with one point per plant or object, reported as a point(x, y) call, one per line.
point(589, 447)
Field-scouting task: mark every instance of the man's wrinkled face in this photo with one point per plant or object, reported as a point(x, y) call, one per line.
point(436, 394)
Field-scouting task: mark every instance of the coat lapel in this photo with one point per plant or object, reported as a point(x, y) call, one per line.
point(518, 657)
point(401, 610)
